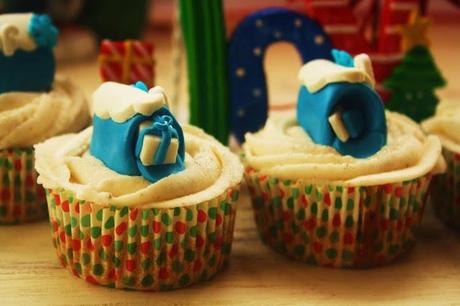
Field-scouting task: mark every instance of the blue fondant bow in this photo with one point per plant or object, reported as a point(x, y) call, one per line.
point(43, 31)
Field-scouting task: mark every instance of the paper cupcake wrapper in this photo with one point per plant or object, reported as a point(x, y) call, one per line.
point(446, 191)
point(21, 198)
point(334, 225)
point(143, 249)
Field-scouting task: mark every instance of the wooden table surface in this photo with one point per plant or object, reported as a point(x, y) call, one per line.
point(428, 275)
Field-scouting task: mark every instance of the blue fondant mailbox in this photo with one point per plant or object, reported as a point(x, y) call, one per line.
point(337, 105)
point(134, 132)
point(26, 43)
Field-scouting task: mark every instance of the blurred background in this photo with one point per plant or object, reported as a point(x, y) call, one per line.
point(83, 23)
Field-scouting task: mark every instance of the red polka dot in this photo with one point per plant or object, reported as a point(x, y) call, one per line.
point(17, 210)
point(92, 280)
point(457, 157)
point(336, 220)
point(199, 241)
point(55, 226)
point(351, 190)
point(304, 201)
point(287, 215)
point(288, 238)
point(317, 247)
point(17, 165)
point(348, 238)
point(387, 188)
point(130, 265)
point(65, 206)
point(197, 265)
point(173, 251)
point(327, 199)
point(163, 274)
point(201, 216)
point(62, 236)
point(408, 221)
point(310, 224)
point(145, 247)
point(282, 193)
point(75, 272)
point(6, 195)
point(121, 228)
point(384, 224)
point(218, 243)
point(399, 225)
point(89, 245)
point(106, 240)
point(156, 226)
point(265, 197)
point(180, 227)
point(77, 208)
point(29, 181)
point(133, 214)
point(57, 199)
point(76, 245)
point(219, 219)
point(262, 178)
point(398, 192)
point(113, 275)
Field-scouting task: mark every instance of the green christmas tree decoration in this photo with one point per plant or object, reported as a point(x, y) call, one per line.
point(413, 83)
point(203, 29)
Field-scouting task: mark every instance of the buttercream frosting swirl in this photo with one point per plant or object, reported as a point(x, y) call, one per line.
point(210, 169)
point(284, 150)
point(28, 118)
point(446, 125)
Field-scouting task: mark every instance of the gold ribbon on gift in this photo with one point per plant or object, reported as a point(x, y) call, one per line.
point(125, 60)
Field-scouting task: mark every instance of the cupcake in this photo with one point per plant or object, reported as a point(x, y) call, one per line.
point(137, 201)
point(341, 182)
point(34, 105)
point(446, 188)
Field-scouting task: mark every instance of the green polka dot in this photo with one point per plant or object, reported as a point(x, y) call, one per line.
point(235, 195)
point(155, 211)
point(314, 208)
point(68, 229)
point(86, 220)
point(350, 204)
point(129, 280)
point(161, 258)
point(147, 281)
point(311, 260)
point(85, 258)
point(109, 223)
point(73, 221)
point(177, 266)
point(103, 254)
point(300, 214)
point(77, 267)
point(334, 237)
point(165, 219)
point(98, 269)
point(132, 247)
point(189, 215)
point(145, 214)
point(295, 192)
point(146, 263)
point(299, 250)
point(81, 235)
point(144, 230)
point(305, 237)
point(193, 231)
point(2, 211)
point(308, 189)
point(169, 237)
point(70, 253)
point(189, 255)
point(295, 228)
point(70, 198)
point(331, 253)
point(118, 244)
point(290, 202)
point(319, 195)
point(338, 203)
point(132, 231)
point(2, 161)
point(393, 249)
point(394, 214)
point(321, 232)
point(325, 215)
point(212, 261)
point(124, 211)
point(227, 248)
point(349, 222)
point(95, 232)
point(99, 215)
point(8, 165)
point(212, 237)
point(157, 243)
point(6, 179)
point(347, 255)
point(272, 181)
point(116, 261)
point(184, 280)
point(276, 201)
point(212, 212)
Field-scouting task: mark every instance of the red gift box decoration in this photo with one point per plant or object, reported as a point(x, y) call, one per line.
point(127, 61)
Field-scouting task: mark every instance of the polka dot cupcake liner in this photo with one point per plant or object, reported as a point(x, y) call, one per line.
point(142, 248)
point(337, 226)
point(21, 198)
point(446, 191)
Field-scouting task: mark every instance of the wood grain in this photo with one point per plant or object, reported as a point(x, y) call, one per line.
point(428, 275)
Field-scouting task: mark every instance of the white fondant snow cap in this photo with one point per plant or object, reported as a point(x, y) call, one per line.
point(14, 33)
point(318, 73)
point(120, 102)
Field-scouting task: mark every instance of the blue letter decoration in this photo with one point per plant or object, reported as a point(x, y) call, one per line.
point(248, 90)
point(337, 105)
point(134, 133)
point(26, 43)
